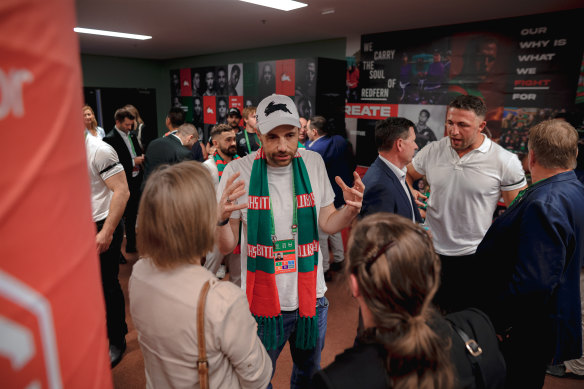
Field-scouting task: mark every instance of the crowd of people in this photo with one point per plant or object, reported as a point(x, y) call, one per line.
point(447, 298)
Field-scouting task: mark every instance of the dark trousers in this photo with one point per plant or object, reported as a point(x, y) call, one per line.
point(115, 308)
point(527, 351)
point(458, 283)
point(131, 212)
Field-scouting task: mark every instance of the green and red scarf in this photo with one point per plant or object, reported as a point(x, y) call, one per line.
point(261, 289)
point(220, 163)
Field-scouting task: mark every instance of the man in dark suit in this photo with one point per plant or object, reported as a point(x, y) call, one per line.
point(386, 189)
point(130, 154)
point(170, 149)
point(530, 261)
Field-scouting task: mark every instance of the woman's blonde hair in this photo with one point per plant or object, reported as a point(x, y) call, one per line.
point(398, 274)
point(93, 120)
point(134, 111)
point(177, 215)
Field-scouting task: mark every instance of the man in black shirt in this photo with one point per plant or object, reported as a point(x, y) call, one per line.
point(247, 140)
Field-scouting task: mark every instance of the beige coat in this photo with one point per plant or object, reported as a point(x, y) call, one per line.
point(163, 306)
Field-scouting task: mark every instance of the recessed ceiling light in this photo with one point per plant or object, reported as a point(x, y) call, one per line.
point(110, 33)
point(284, 5)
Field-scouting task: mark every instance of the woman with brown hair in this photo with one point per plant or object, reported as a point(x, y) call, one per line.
point(394, 274)
point(90, 122)
point(139, 127)
point(176, 225)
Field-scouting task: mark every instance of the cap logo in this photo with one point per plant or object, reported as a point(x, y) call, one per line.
point(271, 108)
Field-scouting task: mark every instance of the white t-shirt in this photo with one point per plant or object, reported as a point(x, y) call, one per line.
point(465, 191)
point(102, 163)
point(280, 186)
point(212, 168)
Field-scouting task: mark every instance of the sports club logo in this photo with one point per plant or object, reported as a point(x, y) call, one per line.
point(27, 337)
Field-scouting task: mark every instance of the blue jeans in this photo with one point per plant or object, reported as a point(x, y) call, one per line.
point(306, 362)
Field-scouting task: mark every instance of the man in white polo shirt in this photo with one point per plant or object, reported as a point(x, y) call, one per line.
point(468, 174)
point(109, 195)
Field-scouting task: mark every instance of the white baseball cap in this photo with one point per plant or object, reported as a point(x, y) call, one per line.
point(274, 111)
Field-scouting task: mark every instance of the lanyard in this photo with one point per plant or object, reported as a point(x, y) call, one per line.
point(294, 226)
point(522, 194)
point(247, 140)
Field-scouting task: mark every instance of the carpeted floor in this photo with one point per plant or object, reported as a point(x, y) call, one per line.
point(342, 327)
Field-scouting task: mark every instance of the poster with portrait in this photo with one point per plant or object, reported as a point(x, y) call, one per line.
point(530, 62)
point(221, 87)
point(428, 121)
point(235, 79)
point(198, 81)
point(221, 109)
point(266, 84)
point(209, 85)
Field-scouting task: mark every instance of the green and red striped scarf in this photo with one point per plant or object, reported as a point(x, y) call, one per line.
point(220, 162)
point(261, 289)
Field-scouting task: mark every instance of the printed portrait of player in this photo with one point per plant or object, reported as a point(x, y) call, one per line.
point(174, 83)
point(429, 121)
point(221, 81)
point(197, 82)
point(306, 69)
point(197, 110)
point(266, 79)
point(221, 110)
point(209, 82)
point(235, 80)
point(304, 105)
point(479, 68)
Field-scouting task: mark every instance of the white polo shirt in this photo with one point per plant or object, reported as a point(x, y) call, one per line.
point(102, 163)
point(465, 191)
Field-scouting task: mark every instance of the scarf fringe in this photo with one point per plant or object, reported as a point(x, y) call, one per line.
point(273, 333)
point(307, 332)
point(273, 326)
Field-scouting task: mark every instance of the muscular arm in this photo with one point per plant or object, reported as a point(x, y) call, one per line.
point(117, 184)
point(509, 196)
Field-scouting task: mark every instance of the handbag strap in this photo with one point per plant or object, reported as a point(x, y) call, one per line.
point(475, 351)
point(202, 363)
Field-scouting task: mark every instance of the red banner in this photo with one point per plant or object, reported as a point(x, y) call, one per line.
point(52, 316)
point(285, 77)
point(209, 110)
point(370, 111)
point(185, 83)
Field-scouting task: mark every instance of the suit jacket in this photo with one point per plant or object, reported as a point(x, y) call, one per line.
point(337, 160)
point(530, 260)
point(165, 150)
point(384, 193)
point(114, 139)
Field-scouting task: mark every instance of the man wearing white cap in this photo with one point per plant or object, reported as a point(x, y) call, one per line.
point(282, 196)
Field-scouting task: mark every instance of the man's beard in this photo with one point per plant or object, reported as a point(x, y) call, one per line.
point(230, 151)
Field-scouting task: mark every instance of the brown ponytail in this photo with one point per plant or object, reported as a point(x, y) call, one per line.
point(398, 274)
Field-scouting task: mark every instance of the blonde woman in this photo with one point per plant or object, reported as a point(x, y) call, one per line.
point(90, 122)
point(177, 218)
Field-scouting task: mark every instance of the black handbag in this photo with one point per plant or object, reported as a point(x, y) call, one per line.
point(475, 350)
